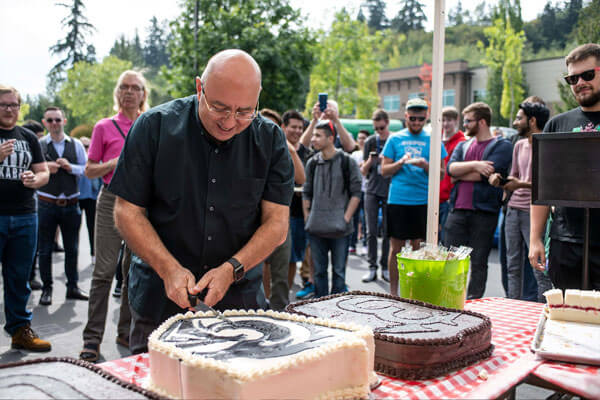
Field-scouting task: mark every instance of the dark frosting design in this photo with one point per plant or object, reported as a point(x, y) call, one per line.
point(64, 378)
point(255, 337)
point(413, 340)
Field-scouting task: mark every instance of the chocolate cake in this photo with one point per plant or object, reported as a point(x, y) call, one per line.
point(413, 340)
point(64, 378)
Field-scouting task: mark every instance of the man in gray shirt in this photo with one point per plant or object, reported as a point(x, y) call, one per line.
point(331, 195)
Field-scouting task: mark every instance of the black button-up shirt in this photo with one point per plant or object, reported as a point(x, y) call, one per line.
point(202, 198)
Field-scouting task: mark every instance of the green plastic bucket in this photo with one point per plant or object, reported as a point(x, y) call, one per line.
point(443, 283)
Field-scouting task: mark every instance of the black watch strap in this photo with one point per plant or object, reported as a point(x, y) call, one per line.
point(238, 269)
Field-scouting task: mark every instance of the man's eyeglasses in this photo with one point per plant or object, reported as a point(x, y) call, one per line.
point(585, 75)
point(10, 106)
point(413, 119)
point(51, 120)
point(133, 88)
point(224, 113)
point(467, 121)
point(380, 128)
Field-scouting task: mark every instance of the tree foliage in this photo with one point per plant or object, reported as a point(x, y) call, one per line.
point(512, 73)
point(269, 30)
point(588, 29)
point(554, 27)
point(377, 17)
point(410, 16)
point(129, 50)
point(74, 44)
point(88, 90)
point(346, 67)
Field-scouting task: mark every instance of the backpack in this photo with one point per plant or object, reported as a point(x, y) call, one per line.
point(345, 170)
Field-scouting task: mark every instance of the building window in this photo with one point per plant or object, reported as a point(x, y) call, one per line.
point(479, 95)
point(416, 95)
point(391, 103)
point(448, 98)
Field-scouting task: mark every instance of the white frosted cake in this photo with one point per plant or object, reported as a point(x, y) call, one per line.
point(577, 306)
point(263, 354)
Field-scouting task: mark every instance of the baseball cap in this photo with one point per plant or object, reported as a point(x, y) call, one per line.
point(416, 103)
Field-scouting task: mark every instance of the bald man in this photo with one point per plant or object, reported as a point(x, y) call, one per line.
point(203, 189)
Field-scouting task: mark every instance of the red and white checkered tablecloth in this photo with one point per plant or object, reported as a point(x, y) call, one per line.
point(583, 380)
point(513, 326)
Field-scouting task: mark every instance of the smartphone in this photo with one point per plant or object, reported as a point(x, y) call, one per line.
point(373, 154)
point(322, 101)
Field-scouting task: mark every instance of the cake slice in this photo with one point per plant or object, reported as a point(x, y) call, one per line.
point(578, 305)
point(260, 355)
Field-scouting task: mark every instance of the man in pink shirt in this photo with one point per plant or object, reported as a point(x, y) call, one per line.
point(108, 138)
point(530, 119)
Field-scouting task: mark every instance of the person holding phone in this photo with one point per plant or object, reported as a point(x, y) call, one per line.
point(344, 139)
point(376, 196)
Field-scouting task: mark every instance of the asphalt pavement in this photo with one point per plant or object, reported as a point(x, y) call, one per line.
point(62, 322)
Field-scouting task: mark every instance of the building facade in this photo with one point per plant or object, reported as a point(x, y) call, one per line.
point(464, 85)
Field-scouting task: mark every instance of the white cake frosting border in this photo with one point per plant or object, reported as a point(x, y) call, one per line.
point(363, 333)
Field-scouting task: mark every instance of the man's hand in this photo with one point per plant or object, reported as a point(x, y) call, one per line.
point(218, 281)
point(512, 184)
point(7, 148)
point(485, 168)
point(179, 281)
point(29, 179)
point(537, 255)
point(417, 162)
point(331, 114)
point(64, 164)
point(316, 112)
point(494, 179)
point(53, 166)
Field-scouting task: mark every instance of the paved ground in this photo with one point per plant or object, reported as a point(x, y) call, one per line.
point(62, 323)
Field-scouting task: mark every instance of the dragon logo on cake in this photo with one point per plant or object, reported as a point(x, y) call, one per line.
point(259, 337)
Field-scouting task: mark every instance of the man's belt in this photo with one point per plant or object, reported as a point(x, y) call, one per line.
point(59, 202)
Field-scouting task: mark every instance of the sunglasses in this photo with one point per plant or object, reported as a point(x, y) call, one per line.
point(585, 75)
point(380, 128)
point(413, 119)
point(51, 120)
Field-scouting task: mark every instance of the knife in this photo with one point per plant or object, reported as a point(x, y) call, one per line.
point(197, 302)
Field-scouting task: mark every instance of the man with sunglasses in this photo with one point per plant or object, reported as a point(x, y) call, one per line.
point(376, 196)
point(58, 203)
point(203, 189)
point(566, 245)
point(406, 160)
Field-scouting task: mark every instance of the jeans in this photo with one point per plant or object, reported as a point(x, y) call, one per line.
point(519, 270)
point(474, 229)
point(372, 205)
point(18, 240)
point(359, 216)
point(444, 210)
point(320, 248)
point(68, 218)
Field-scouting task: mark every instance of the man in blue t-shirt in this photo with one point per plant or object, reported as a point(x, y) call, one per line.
point(406, 160)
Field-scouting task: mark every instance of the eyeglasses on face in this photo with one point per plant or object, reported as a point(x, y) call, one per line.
point(225, 113)
point(133, 88)
point(380, 128)
point(10, 106)
point(51, 120)
point(585, 75)
point(413, 119)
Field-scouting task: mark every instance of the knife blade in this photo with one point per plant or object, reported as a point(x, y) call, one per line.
point(197, 303)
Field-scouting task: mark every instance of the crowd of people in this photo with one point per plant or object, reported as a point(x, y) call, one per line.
point(206, 195)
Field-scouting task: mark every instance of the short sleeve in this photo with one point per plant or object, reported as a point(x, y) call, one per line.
point(132, 180)
point(36, 149)
point(96, 150)
point(389, 149)
point(280, 179)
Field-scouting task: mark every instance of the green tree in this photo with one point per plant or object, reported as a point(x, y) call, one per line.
point(74, 44)
point(458, 15)
point(410, 16)
point(588, 29)
point(377, 19)
point(512, 73)
point(88, 89)
point(130, 50)
point(155, 46)
point(269, 30)
point(347, 68)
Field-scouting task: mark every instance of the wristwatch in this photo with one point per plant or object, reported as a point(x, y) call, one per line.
point(238, 269)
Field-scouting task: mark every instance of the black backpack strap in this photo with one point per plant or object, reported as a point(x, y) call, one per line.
point(118, 127)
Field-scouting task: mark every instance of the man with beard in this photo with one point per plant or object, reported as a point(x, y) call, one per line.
point(566, 250)
point(406, 160)
point(474, 203)
point(530, 119)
